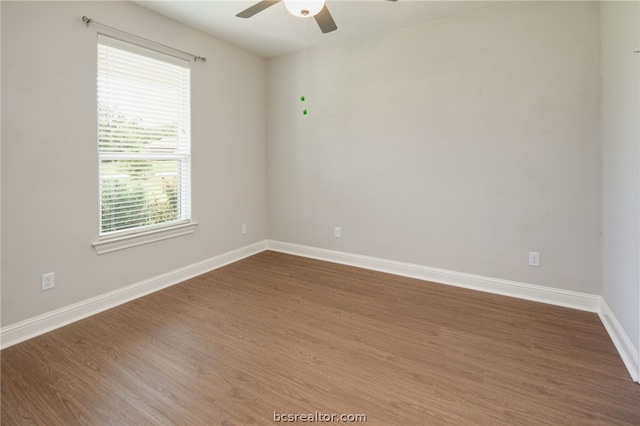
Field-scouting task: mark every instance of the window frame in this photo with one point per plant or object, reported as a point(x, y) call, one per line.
point(184, 224)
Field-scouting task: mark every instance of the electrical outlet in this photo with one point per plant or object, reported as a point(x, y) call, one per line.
point(337, 232)
point(244, 228)
point(48, 281)
point(534, 258)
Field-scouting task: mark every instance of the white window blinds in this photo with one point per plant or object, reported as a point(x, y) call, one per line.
point(144, 140)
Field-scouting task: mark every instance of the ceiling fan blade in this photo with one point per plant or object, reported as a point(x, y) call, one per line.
point(256, 8)
point(325, 20)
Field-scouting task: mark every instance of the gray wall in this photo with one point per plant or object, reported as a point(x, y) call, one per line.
point(461, 144)
point(621, 164)
point(49, 154)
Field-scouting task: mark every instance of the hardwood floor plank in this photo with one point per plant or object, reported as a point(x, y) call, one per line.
point(279, 333)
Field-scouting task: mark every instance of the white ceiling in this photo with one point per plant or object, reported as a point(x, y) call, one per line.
point(275, 32)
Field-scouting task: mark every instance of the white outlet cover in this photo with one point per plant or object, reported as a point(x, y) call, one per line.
point(48, 281)
point(534, 258)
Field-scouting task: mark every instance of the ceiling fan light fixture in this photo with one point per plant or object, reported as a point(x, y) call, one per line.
point(304, 8)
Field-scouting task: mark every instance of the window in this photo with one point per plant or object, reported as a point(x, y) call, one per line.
point(144, 140)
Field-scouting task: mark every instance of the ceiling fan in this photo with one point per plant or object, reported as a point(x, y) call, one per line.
point(301, 8)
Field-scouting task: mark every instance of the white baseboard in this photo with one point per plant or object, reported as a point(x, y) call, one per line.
point(623, 344)
point(41, 324)
point(32, 327)
point(537, 293)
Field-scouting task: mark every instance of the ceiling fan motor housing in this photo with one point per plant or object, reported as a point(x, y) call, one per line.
point(304, 8)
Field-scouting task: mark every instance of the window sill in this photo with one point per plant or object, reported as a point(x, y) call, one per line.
point(127, 241)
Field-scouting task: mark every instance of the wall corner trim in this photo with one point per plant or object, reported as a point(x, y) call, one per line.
point(35, 326)
point(623, 344)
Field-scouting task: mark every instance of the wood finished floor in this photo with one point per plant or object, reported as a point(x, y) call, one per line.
point(279, 333)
